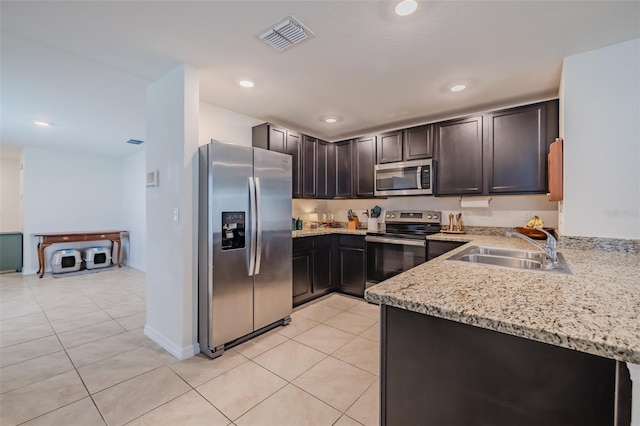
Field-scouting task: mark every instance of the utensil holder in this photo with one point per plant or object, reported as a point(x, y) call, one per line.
point(372, 224)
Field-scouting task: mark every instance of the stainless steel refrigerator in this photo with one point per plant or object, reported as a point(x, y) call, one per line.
point(244, 244)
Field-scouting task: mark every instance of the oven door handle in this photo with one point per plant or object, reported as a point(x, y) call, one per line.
point(399, 241)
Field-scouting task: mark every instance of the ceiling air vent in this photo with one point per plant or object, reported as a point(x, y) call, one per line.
point(134, 141)
point(285, 33)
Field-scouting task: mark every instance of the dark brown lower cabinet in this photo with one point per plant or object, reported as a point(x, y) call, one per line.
point(351, 264)
point(327, 263)
point(322, 264)
point(440, 372)
point(313, 267)
point(438, 248)
point(301, 270)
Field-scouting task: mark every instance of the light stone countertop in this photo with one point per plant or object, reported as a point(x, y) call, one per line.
point(594, 310)
point(327, 231)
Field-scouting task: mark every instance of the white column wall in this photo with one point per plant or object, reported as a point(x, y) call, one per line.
point(600, 122)
point(171, 253)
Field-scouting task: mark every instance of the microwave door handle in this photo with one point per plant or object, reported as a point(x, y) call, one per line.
point(418, 177)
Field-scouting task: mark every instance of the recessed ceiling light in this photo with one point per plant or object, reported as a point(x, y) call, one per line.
point(458, 87)
point(246, 83)
point(330, 119)
point(406, 7)
point(42, 123)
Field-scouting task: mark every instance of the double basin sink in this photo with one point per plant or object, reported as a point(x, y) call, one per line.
point(518, 259)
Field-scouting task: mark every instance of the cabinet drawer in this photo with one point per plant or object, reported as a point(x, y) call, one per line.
point(322, 241)
point(354, 241)
point(302, 244)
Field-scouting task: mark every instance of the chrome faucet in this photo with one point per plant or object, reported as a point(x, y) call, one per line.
point(550, 247)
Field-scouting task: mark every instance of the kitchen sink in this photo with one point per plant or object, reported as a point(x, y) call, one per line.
point(509, 262)
point(518, 259)
point(519, 254)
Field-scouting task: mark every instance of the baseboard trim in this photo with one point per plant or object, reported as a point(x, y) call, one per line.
point(175, 350)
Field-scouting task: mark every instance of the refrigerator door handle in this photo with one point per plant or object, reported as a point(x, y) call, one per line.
point(252, 216)
point(259, 227)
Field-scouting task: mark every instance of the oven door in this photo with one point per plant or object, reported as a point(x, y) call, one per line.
point(387, 257)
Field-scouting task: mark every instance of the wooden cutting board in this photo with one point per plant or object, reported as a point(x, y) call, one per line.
point(554, 162)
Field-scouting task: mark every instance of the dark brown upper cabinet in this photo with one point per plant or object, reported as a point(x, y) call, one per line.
point(459, 154)
point(325, 174)
point(517, 146)
point(309, 157)
point(415, 143)
point(389, 147)
point(343, 161)
point(294, 149)
point(364, 156)
point(273, 138)
point(418, 143)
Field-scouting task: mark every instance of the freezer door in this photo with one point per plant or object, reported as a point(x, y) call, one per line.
point(272, 286)
point(231, 298)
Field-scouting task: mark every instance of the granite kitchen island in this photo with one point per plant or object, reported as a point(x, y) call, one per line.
point(508, 346)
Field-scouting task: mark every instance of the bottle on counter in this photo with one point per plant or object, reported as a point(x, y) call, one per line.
point(299, 224)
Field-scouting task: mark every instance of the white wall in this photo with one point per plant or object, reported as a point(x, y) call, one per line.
point(225, 125)
point(503, 210)
point(600, 108)
point(133, 208)
point(68, 191)
point(10, 202)
point(171, 251)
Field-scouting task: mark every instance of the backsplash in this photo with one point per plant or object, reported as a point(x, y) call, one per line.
point(601, 244)
point(505, 211)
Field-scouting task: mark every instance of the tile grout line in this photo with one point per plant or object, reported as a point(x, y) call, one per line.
point(358, 398)
point(191, 387)
point(74, 369)
point(164, 403)
point(73, 364)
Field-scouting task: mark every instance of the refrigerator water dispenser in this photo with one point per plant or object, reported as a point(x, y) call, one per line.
point(233, 230)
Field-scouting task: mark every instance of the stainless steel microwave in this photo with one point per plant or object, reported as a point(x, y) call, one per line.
point(405, 178)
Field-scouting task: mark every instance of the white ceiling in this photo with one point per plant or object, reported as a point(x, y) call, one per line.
point(84, 66)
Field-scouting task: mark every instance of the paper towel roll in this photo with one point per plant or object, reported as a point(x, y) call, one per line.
point(475, 203)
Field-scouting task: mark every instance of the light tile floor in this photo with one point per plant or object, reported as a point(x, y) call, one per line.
point(73, 352)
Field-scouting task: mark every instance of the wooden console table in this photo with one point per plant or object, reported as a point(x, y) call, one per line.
point(70, 237)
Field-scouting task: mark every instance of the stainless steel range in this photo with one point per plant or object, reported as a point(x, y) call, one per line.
point(403, 244)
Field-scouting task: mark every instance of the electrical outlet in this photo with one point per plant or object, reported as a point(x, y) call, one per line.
point(176, 214)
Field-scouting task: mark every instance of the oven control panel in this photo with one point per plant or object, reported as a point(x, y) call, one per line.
point(413, 216)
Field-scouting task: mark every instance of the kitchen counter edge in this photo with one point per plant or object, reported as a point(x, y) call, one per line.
point(594, 310)
point(327, 231)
